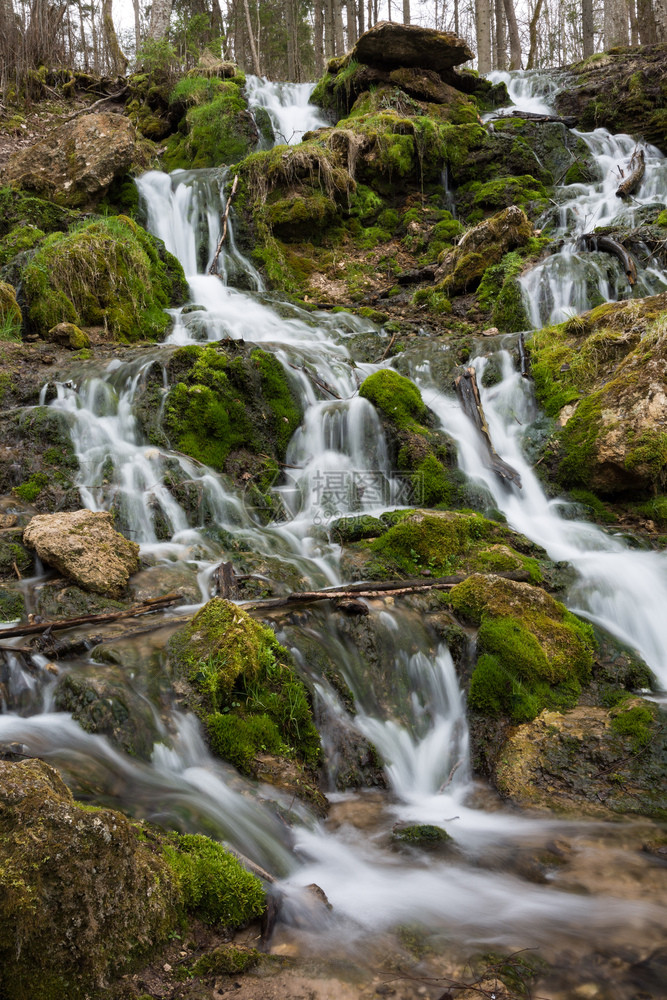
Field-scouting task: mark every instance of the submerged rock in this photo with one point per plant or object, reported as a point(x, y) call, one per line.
point(85, 547)
point(77, 162)
point(389, 43)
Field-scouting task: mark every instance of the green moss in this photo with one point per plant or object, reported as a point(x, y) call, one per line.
point(12, 605)
point(17, 240)
point(421, 835)
point(11, 317)
point(637, 724)
point(434, 299)
point(109, 273)
point(500, 292)
point(662, 218)
point(597, 508)
point(235, 665)
point(31, 488)
point(650, 451)
point(222, 404)
point(501, 192)
point(213, 884)
point(21, 211)
point(395, 396)
point(533, 652)
point(219, 127)
point(431, 482)
point(432, 541)
point(301, 215)
point(226, 961)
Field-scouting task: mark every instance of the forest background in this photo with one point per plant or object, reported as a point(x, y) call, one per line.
point(293, 39)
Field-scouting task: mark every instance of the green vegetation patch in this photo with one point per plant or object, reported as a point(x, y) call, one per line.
point(532, 652)
point(218, 127)
point(108, 273)
point(397, 397)
point(245, 687)
point(213, 885)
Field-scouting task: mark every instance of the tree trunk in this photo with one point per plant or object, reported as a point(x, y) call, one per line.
point(615, 23)
point(290, 23)
point(588, 28)
point(160, 18)
point(251, 40)
point(360, 14)
point(660, 9)
point(501, 43)
point(514, 37)
point(117, 57)
point(483, 26)
point(456, 16)
point(634, 26)
point(338, 27)
point(532, 34)
point(646, 22)
point(329, 43)
point(318, 38)
point(351, 23)
point(406, 11)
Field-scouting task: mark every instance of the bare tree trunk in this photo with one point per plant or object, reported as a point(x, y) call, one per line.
point(329, 42)
point(588, 27)
point(360, 15)
point(338, 27)
point(290, 22)
point(514, 36)
point(137, 25)
point(615, 23)
point(160, 18)
point(660, 8)
point(456, 17)
point(318, 37)
point(532, 34)
point(501, 42)
point(634, 26)
point(646, 22)
point(351, 23)
point(117, 57)
point(251, 40)
point(483, 27)
point(82, 33)
point(406, 11)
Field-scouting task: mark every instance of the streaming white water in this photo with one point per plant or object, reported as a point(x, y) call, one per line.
point(288, 106)
point(418, 723)
point(570, 282)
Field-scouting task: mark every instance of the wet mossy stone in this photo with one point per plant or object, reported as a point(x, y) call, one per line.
point(421, 835)
point(219, 128)
point(212, 884)
point(462, 268)
point(18, 240)
point(532, 652)
point(24, 212)
point(396, 396)
point(243, 684)
point(228, 401)
point(60, 862)
point(109, 273)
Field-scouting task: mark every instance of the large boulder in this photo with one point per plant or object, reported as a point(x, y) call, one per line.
point(602, 375)
point(485, 244)
point(76, 163)
point(391, 44)
point(76, 879)
point(86, 548)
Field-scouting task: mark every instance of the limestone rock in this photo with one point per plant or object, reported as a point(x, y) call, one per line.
point(462, 268)
point(68, 335)
point(396, 45)
point(85, 547)
point(76, 162)
point(104, 897)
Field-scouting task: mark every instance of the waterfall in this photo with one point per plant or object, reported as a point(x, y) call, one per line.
point(287, 105)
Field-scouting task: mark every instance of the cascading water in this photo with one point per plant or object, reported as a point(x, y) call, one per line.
point(476, 894)
point(287, 105)
point(570, 282)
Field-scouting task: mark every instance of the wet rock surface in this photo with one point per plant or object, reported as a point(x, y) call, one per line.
point(86, 548)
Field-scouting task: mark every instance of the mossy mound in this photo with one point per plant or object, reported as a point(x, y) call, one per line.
point(217, 128)
point(110, 273)
point(11, 317)
point(59, 861)
point(18, 240)
point(591, 760)
point(462, 268)
point(233, 409)
point(396, 397)
point(602, 375)
point(243, 685)
point(532, 652)
point(21, 213)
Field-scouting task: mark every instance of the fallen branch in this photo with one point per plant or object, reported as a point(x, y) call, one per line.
point(371, 591)
point(213, 269)
point(145, 608)
point(533, 116)
point(607, 244)
point(637, 168)
point(468, 393)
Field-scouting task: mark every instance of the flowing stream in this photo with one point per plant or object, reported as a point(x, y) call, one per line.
point(482, 893)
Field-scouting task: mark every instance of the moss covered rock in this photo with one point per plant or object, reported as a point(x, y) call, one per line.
point(11, 317)
point(589, 760)
point(18, 240)
point(76, 163)
point(602, 375)
point(218, 127)
point(109, 273)
point(485, 244)
point(242, 682)
point(59, 861)
point(532, 652)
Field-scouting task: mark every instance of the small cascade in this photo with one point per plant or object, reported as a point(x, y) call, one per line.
point(287, 105)
point(570, 282)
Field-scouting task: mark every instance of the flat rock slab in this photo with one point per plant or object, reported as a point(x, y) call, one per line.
point(397, 45)
point(76, 162)
point(86, 548)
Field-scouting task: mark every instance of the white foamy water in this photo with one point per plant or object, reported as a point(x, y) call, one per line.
point(288, 106)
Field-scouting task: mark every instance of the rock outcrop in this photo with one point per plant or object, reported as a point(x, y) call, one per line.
point(485, 244)
point(86, 548)
point(77, 162)
point(391, 44)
